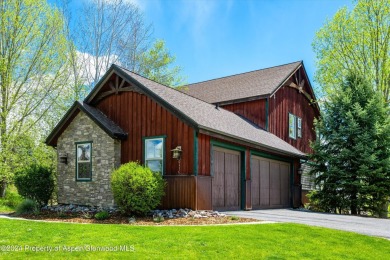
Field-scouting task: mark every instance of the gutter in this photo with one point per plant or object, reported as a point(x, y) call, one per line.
point(279, 151)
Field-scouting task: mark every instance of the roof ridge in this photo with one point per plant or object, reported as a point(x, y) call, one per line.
point(175, 89)
point(242, 73)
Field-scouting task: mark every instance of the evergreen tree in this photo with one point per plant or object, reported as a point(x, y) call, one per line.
point(352, 152)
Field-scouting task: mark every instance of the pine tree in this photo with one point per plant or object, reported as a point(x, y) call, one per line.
point(352, 154)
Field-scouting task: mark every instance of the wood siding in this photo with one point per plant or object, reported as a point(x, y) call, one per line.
point(289, 100)
point(204, 155)
point(254, 111)
point(226, 182)
point(180, 192)
point(204, 193)
point(140, 117)
point(270, 183)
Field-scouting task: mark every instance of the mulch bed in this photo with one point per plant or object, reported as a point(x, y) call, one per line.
point(142, 221)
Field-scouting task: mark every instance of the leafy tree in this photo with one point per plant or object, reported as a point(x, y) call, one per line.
point(155, 65)
point(32, 72)
point(355, 41)
point(103, 37)
point(352, 154)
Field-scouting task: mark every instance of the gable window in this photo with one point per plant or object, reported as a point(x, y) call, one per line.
point(292, 130)
point(84, 161)
point(154, 153)
point(294, 126)
point(299, 127)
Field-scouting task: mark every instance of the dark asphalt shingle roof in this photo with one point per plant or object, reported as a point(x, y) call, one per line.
point(110, 127)
point(218, 120)
point(251, 84)
point(102, 120)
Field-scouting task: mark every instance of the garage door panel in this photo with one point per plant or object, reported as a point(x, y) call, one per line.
point(264, 183)
point(218, 179)
point(255, 182)
point(232, 180)
point(271, 180)
point(285, 183)
point(226, 179)
point(274, 184)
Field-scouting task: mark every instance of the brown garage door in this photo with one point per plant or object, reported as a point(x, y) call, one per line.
point(270, 183)
point(226, 179)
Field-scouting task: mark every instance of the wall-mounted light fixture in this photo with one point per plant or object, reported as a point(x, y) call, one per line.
point(300, 171)
point(177, 152)
point(64, 158)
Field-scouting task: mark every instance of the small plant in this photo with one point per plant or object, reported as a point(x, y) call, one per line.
point(158, 218)
point(27, 206)
point(132, 220)
point(86, 215)
point(234, 218)
point(137, 190)
point(61, 214)
point(102, 215)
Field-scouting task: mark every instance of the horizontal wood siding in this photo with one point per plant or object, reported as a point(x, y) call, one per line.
point(289, 100)
point(140, 116)
point(180, 192)
point(254, 111)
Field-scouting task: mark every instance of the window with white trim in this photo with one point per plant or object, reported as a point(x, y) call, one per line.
point(154, 153)
point(84, 161)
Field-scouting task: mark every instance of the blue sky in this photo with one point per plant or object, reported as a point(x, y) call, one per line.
point(212, 39)
point(216, 38)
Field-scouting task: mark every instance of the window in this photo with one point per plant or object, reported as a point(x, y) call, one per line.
point(294, 126)
point(83, 161)
point(154, 153)
point(299, 127)
point(292, 131)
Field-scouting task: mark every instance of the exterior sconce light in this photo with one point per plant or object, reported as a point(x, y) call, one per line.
point(300, 171)
point(176, 153)
point(64, 158)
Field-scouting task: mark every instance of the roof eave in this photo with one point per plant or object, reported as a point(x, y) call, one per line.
point(286, 79)
point(157, 98)
point(73, 109)
point(270, 148)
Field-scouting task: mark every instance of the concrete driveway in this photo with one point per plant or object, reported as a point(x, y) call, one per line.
point(362, 225)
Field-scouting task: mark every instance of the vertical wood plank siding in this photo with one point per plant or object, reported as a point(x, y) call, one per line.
point(180, 192)
point(289, 100)
point(140, 116)
point(254, 111)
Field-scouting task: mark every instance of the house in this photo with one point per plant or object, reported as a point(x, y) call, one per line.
point(242, 138)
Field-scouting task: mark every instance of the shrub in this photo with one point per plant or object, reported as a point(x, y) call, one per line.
point(12, 198)
point(27, 206)
point(137, 190)
point(102, 215)
point(36, 182)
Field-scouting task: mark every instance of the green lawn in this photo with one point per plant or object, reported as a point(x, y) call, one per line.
point(270, 241)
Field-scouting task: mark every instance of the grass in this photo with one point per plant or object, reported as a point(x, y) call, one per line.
point(11, 201)
point(270, 241)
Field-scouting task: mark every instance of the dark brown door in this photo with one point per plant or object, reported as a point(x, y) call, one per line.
point(270, 183)
point(226, 179)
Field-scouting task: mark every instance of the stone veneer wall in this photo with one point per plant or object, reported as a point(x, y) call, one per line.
point(106, 155)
